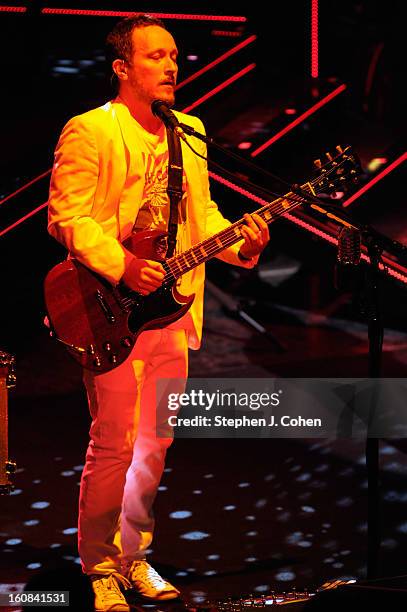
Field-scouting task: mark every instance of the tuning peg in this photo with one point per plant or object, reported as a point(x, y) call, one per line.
point(328, 156)
point(317, 164)
point(339, 148)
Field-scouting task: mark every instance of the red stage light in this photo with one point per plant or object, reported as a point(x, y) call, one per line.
point(299, 119)
point(314, 39)
point(27, 216)
point(217, 61)
point(219, 88)
point(24, 187)
point(92, 13)
point(290, 111)
point(227, 33)
point(13, 9)
point(376, 179)
point(244, 145)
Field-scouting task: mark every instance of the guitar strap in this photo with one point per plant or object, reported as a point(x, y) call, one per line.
point(174, 188)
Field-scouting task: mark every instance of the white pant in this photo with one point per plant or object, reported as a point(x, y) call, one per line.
point(125, 458)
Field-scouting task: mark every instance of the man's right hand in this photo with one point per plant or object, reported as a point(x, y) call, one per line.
point(143, 275)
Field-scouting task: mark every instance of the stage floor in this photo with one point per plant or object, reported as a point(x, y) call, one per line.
point(233, 517)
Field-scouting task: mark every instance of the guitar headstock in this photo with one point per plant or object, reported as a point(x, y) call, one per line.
point(336, 171)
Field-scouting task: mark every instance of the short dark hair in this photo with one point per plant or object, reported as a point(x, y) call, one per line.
point(119, 40)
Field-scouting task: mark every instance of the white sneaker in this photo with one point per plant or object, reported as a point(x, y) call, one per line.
point(148, 582)
point(108, 595)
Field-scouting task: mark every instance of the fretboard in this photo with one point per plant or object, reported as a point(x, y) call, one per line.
point(204, 251)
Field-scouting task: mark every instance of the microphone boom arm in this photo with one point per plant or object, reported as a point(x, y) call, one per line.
point(331, 211)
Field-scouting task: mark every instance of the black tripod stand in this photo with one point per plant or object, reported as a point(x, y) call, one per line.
point(234, 308)
point(375, 335)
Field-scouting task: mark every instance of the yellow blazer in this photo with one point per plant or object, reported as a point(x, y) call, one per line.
point(96, 189)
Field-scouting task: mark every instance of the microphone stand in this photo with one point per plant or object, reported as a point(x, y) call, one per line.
point(375, 243)
point(375, 335)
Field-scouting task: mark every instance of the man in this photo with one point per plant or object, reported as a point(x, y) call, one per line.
point(109, 179)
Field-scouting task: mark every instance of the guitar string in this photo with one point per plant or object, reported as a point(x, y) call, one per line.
point(228, 236)
point(209, 250)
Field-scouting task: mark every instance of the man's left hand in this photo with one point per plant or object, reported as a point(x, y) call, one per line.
point(255, 234)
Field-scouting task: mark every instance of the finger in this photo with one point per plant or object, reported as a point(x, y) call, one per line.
point(265, 234)
point(155, 265)
point(259, 228)
point(261, 224)
point(250, 222)
point(255, 236)
point(151, 276)
point(248, 238)
point(249, 235)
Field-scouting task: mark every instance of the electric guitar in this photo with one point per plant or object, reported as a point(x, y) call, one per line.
point(99, 323)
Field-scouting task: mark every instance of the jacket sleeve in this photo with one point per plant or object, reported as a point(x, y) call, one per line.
point(71, 199)
point(215, 221)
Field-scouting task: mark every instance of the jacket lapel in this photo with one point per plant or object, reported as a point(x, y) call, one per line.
point(132, 192)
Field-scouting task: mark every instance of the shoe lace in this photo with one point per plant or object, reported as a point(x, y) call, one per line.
point(141, 570)
point(108, 587)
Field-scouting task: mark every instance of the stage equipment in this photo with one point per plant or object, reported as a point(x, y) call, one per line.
point(7, 381)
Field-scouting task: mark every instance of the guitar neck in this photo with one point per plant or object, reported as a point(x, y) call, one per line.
point(211, 247)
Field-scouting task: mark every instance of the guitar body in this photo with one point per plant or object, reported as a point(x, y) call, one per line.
point(98, 323)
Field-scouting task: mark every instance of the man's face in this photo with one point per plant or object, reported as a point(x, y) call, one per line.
point(152, 72)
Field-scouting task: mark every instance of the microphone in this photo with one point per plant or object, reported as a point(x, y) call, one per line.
point(162, 110)
point(348, 259)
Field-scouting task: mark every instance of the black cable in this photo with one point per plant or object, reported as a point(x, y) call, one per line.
point(261, 191)
point(302, 195)
point(192, 132)
point(392, 246)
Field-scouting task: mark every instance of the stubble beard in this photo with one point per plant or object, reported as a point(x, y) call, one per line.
point(146, 97)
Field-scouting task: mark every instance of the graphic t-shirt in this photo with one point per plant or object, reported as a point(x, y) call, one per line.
point(155, 204)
